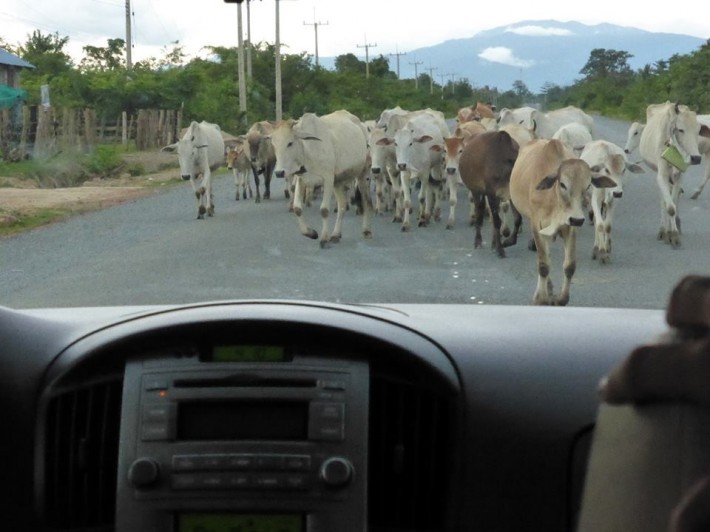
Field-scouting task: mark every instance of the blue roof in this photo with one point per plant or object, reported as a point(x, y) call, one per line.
point(6, 58)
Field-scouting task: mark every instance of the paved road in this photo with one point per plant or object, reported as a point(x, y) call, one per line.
point(154, 251)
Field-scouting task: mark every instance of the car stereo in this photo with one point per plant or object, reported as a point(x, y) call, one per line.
point(245, 438)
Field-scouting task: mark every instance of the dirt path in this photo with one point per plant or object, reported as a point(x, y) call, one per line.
point(20, 199)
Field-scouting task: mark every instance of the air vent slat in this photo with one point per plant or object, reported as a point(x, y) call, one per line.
point(81, 456)
point(409, 435)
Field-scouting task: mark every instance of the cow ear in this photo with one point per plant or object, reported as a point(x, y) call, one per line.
point(170, 148)
point(603, 182)
point(384, 141)
point(547, 183)
point(635, 168)
point(704, 131)
point(423, 138)
point(435, 147)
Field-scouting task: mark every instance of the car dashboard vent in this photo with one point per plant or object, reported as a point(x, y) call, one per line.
point(81, 456)
point(410, 444)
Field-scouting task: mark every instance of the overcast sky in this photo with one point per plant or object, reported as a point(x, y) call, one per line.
point(344, 26)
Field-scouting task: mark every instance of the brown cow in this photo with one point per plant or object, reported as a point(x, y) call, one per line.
point(485, 166)
point(547, 186)
point(474, 112)
point(263, 158)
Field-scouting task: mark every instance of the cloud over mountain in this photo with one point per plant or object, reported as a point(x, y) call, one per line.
point(539, 31)
point(504, 56)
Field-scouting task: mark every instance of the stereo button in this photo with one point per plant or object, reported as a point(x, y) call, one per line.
point(186, 462)
point(297, 462)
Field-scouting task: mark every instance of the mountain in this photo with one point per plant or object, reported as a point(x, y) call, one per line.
point(537, 52)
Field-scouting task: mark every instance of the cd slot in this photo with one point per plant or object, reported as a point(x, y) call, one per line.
point(245, 381)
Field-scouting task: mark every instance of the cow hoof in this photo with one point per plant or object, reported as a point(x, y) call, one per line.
point(324, 244)
point(500, 252)
point(531, 245)
point(201, 212)
point(661, 234)
point(695, 195)
point(674, 239)
point(313, 234)
point(405, 228)
point(604, 258)
point(267, 195)
point(257, 200)
point(335, 239)
point(367, 234)
point(449, 225)
point(595, 253)
point(286, 194)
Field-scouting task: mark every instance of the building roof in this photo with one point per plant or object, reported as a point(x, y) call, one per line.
point(6, 58)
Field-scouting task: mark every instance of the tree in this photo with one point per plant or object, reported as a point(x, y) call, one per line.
point(46, 53)
point(110, 57)
point(349, 63)
point(604, 64)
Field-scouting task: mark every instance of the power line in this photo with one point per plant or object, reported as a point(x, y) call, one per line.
point(367, 47)
point(315, 28)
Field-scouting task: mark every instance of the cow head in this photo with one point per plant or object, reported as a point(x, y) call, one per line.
point(633, 137)
point(453, 150)
point(287, 140)
point(569, 185)
point(381, 150)
point(191, 150)
point(684, 132)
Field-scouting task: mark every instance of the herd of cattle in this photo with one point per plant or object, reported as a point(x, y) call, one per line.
point(546, 167)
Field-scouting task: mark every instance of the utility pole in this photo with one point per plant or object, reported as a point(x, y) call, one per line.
point(277, 58)
point(249, 69)
point(452, 74)
point(240, 57)
point(367, 47)
point(416, 72)
point(431, 78)
point(129, 39)
point(397, 54)
point(315, 28)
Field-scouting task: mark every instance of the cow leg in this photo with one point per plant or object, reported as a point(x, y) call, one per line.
point(479, 200)
point(706, 178)
point(598, 220)
point(268, 172)
point(364, 188)
point(493, 204)
point(255, 173)
point(599, 252)
point(669, 193)
point(298, 210)
point(425, 201)
point(396, 187)
point(198, 195)
point(325, 212)
point(543, 291)
point(517, 223)
point(451, 181)
point(341, 200)
point(237, 179)
point(407, 203)
point(569, 238)
point(471, 208)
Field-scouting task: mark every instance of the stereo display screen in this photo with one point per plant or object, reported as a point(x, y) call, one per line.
point(225, 522)
point(242, 420)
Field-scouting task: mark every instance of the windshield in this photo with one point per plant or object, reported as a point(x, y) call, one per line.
point(116, 190)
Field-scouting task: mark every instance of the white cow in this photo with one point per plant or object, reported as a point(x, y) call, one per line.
point(520, 115)
point(633, 139)
point(383, 168)
point(419, 148)
point(670, 125)
point(546, 124)
point(330, 151)
point(200, 151)
point(574, 135)
point(606, 159)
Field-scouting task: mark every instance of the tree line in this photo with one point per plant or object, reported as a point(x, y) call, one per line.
point(207, 88)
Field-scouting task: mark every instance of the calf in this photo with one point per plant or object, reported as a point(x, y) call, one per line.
point(606, 159)
point(263, 158)
point(238, 161)
point(547, 186)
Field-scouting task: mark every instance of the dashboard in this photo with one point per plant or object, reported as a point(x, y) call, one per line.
point(302, 416)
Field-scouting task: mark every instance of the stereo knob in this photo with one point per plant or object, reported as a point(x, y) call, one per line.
point(143, 473)
point(336, 472)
